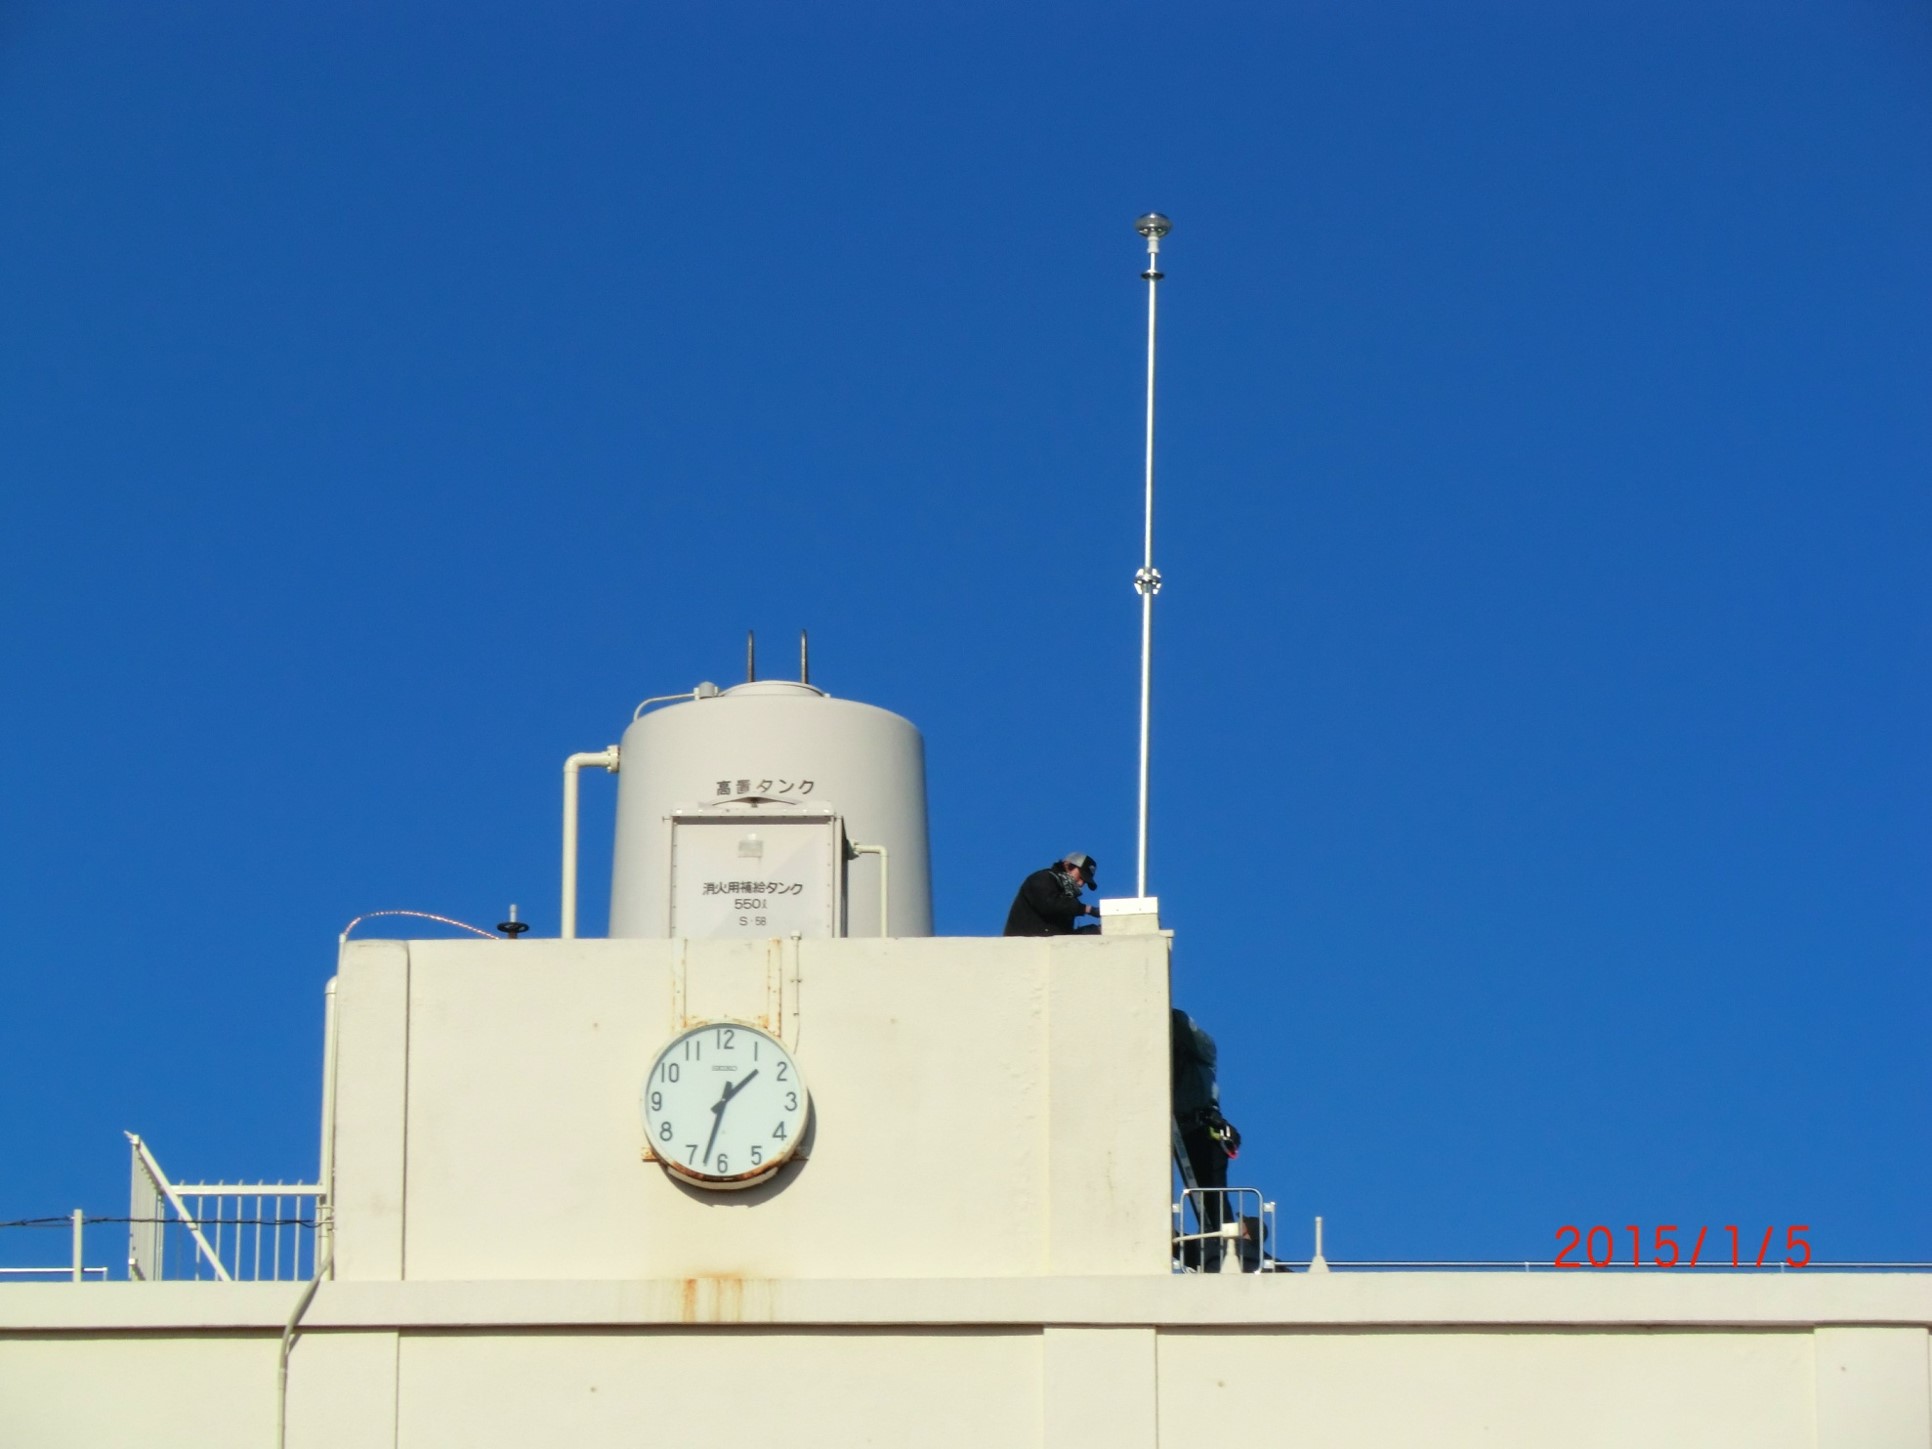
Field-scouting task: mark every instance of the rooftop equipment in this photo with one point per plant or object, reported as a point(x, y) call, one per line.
point(750, 811)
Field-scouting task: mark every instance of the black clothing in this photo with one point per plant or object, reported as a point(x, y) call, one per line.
point(1048, 904)
point(1192, 1060)
point(1197, 1115)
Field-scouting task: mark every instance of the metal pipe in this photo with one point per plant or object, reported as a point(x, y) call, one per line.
point(643, 705)
point(48, 1272)
point(288, 1342)
point(885, 884)
point(325, 1176)
point(79, 1221)
point(607, 758)
point(227, 1189)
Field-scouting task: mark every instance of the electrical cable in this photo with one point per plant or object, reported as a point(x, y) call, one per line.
point(420, 915)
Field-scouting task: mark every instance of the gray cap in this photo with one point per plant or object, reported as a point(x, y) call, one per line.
point(1084, 861)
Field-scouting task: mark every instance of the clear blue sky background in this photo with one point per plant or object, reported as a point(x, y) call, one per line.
point(391, 396)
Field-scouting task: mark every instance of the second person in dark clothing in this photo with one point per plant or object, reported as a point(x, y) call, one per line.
point(1048, 903)
point(1207, 1138)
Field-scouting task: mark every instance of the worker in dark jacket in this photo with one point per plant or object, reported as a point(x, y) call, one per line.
point(1207, 1137)
point(1049, 900)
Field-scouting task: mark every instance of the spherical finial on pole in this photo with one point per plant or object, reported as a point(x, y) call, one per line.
point(1153, 226)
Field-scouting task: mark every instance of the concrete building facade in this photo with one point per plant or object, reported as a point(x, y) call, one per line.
point(971, 1246)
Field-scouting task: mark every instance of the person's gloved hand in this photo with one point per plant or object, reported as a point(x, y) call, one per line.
point(1224, 1132)
point(1093, 911)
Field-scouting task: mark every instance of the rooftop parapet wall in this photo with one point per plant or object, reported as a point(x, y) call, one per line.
point(981, 1108)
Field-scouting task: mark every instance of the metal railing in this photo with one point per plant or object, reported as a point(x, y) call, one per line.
point(75, 1269)
point(75, 1272)
point(224, 1231)
point(1234, 1231)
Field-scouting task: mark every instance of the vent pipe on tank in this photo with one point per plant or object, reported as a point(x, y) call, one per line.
point(607, 758)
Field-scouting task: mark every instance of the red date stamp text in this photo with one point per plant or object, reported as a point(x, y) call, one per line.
point(1671, 1247)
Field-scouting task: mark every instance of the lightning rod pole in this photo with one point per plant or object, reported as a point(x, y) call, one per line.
point(1147, 582)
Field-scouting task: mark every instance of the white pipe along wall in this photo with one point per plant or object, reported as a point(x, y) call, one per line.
point(608, 759)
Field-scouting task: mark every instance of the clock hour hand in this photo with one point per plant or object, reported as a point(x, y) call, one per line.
point(717, 1111)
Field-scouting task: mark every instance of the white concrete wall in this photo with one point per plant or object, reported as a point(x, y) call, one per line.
point(1828, 1362)
point(934, 1388)
point(980, 1107)
point(148, 1389)
point(1577, 1389)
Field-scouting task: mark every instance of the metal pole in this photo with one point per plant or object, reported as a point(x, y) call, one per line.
point(79, 1221)
point(1147, 582)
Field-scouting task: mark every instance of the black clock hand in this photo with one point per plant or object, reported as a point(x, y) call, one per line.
point(717, 1112)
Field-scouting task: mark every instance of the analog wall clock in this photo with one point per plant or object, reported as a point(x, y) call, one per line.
point(724, 1105)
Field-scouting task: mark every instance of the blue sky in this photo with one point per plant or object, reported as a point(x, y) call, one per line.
point(391, 396)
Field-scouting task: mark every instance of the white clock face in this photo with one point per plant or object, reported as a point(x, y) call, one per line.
point(724, 1105)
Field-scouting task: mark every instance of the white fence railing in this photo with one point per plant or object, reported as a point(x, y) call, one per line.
point(1234, 1231)
point(226, 1231)
point(76, 1271)
point(76, 1268)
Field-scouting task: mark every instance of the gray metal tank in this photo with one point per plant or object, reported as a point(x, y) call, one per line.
point(727, 786)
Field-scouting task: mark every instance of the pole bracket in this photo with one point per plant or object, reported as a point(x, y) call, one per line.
point(1147, 581)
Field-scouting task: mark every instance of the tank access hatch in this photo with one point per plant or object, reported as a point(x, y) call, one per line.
point(754, 870)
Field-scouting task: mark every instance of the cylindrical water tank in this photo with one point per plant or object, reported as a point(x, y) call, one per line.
point(794, 746)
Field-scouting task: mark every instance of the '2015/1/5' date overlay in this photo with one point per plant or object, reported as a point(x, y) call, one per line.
point(1667, 1251)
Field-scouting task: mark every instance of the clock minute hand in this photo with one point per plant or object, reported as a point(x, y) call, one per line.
point(717, 1112)
point(717, 1121)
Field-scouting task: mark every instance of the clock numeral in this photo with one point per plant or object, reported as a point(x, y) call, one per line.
point(726, 1036)
point(791, 1101)
point(778, 1133)
point(754, 1049)
point(664, 1132)
point(783, 1068)
point(657, 1101)
point(724, 1163)
point(690, 1152)
point(693, 1049)
point(757, 1155)
point(670, 1072)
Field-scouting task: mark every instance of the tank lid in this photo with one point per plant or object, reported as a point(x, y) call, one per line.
point(776, 686)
